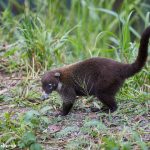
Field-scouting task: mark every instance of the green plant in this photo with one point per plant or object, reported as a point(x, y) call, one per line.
point(29, 140)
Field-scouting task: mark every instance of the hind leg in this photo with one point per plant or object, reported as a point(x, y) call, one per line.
point(109, 101)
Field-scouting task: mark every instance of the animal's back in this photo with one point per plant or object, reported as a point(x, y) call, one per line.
point(94, 73)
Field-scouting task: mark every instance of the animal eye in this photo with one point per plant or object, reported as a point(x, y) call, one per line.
point(50, 86)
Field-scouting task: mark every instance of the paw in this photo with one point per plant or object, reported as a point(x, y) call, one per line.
point(104, 109)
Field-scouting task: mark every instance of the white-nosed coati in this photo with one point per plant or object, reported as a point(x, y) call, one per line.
point(96, 76)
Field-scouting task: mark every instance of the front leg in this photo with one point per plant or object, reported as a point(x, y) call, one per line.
point(68, 96)
point(66, 108)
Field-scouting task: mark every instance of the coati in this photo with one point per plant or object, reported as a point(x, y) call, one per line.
point(96, 76)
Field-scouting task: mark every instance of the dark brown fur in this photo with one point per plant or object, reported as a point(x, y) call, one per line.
point(96, 76)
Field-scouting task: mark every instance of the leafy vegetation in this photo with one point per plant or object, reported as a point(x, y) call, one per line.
point(41, 35)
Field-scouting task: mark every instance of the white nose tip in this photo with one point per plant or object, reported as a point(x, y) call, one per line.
point(44, 96)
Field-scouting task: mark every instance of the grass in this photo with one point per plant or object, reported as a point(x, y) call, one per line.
point(51, 35)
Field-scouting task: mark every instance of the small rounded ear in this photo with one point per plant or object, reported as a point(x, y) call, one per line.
point(57, 74)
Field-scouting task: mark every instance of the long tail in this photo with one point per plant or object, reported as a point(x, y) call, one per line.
point(131, 69)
